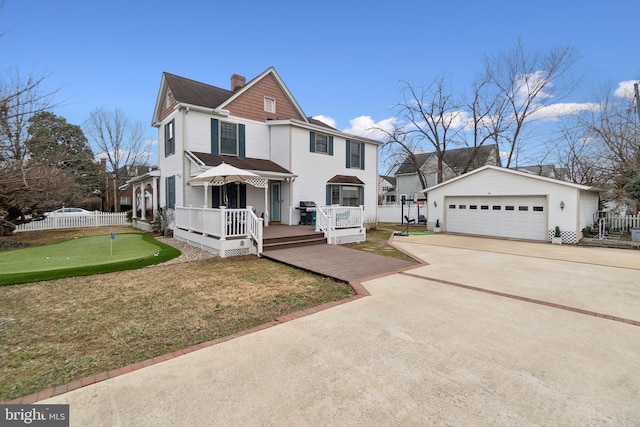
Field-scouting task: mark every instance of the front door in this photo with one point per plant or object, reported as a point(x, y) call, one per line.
point(274, 215)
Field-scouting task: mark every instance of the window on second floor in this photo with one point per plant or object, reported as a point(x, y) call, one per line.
point(355, 155)
point(169, 138)
point(319, 143)
point(227, 138)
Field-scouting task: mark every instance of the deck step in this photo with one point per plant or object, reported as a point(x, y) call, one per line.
point(293, 241)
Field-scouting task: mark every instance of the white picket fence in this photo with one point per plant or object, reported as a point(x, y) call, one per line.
point(622, 223)
point(96, 219)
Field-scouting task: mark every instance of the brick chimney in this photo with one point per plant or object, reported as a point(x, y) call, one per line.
point(237, 81)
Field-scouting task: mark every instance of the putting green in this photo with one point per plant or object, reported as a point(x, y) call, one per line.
point(83, 256)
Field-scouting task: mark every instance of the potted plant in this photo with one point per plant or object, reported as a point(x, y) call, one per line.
point(437, 229)
point(557, 237)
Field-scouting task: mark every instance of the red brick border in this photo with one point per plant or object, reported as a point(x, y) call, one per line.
point(530, 300)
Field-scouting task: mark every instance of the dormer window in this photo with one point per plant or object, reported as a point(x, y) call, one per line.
point(269, 105)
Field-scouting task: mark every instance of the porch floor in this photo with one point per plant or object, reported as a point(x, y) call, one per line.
point(274, 231)
point(336, 261)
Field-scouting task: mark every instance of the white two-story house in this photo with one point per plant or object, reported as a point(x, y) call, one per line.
point(259, 127)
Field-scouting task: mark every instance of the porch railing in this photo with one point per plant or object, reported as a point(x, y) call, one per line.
point(221, 223)
point(330, 218)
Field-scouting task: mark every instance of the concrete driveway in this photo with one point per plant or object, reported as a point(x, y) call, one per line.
point(454, 342)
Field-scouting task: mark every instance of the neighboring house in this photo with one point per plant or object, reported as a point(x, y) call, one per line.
point(501, 202)
point(549, 171)
point(259, 127)
point(455, 163)
point(386, 190)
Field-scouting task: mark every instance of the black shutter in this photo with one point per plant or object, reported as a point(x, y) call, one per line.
point(172, 144)
point(331, 146)
point(215, 145)
point(328, 198)
point(362, 147)
point(241, 144)
point(361, 195)
point(348, 153)
point(312, 142)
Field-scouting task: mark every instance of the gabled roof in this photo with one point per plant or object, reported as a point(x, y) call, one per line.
point(507, 171)
point(390, 179)
point(457, 159)
point(269, 71)
point(408, 167)
point(260, 165)
point(196, 93)
point(550, 171)
point(191, 92)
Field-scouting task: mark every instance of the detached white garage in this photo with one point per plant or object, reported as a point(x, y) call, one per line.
point(499, 202)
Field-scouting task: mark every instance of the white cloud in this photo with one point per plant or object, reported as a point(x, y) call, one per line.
point(625, 89)
point(367, 127)
point(554, 111)
point(324, 119)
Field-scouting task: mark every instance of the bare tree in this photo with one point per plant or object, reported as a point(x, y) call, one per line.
point(615, 128)
point(428, 117)
point(528, 81)
point(26, 186)
point(485, 119)
point(580, 156)
point(118, 140)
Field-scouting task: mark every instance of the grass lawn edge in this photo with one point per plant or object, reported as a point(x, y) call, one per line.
point(167, 253)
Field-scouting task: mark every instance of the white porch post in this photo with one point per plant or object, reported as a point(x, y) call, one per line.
point(206, 194)
point(266, 203)
point(143, 207)
point(154, 196)
point(134, 205)
point(223, 222)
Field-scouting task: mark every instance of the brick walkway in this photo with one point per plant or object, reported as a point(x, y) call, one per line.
point(339, 262)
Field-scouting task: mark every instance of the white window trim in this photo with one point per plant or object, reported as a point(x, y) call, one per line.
point(269, 102)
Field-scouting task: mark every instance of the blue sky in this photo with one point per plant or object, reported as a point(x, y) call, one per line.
point(341, 59)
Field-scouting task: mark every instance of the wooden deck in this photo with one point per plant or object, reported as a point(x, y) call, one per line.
point(339, 262)
point(274, 231)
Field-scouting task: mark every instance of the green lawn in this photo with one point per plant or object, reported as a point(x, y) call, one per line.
point(83, 256)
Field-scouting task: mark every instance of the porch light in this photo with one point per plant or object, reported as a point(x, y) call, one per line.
point(435, 204)
point(561, 205)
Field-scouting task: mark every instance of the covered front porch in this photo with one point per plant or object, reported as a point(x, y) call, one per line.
point(234, 232)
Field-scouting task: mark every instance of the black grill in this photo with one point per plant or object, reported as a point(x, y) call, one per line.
point(307, 210)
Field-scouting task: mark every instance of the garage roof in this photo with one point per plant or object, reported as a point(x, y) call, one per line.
point(518, 173)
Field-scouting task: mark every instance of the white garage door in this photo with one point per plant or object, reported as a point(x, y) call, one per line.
point(522, 217)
